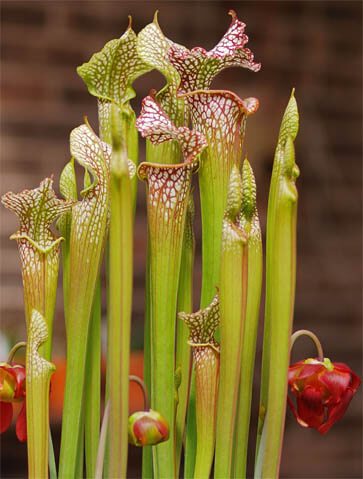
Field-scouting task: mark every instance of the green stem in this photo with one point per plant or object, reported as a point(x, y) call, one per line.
point(147, 458)
point(280, 294)
point(119, 296)
point(92, 411)
point(190, 431)
point(183, 353)
point(254, 282)
point(52, 464)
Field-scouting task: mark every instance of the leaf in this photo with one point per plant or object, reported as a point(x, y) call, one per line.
point(203, 324)
point(154, 124)
point(37, 209)
point(109, 74)
point(198, 67)
point(153, 48)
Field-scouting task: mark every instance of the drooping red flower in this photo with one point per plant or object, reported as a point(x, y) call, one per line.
point(323, 391)
point(12, 389)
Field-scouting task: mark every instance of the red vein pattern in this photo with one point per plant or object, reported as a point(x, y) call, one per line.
point(38, 247)
point(197, 67)
point(154, 124)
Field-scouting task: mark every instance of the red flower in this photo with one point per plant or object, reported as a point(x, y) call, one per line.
point(147, 428)
point(323, 391)
point(12, 389)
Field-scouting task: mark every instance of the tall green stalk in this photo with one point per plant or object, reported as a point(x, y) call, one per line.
point(38, 374)
point(280, 293)
point(250, 224)
point(168, 188)
point(88, 233)
point(202, 326)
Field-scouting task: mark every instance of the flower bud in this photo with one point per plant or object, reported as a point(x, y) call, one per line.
point(147, 428)
point(323, 391)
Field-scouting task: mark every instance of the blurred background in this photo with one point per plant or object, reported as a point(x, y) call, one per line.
point(314, 46)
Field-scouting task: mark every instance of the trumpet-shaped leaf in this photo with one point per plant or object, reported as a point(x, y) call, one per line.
point(38, 248)
point(221, 117)
point(38, 374)
point(202, 326)
point(88, 232)
point(153, 47)
point(109, 74)
point(168, 189)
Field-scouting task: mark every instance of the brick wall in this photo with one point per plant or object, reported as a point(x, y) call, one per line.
point(312, 46)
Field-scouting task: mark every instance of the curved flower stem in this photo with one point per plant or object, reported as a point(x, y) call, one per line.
point(313, 337)
point(14, 350)
point(92, 406)
point(141, 383)
point(280, 295)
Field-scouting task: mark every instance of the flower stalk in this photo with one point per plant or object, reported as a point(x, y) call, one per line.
point(280, 293)
point(38, 374)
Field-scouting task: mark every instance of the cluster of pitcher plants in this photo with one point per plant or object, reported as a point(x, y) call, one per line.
point(198, 366)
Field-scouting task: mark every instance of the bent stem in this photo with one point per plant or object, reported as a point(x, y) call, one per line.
point(280, 293)
point(38, 374)
point(251, 226)
point(202, 326)
point(313, 337)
